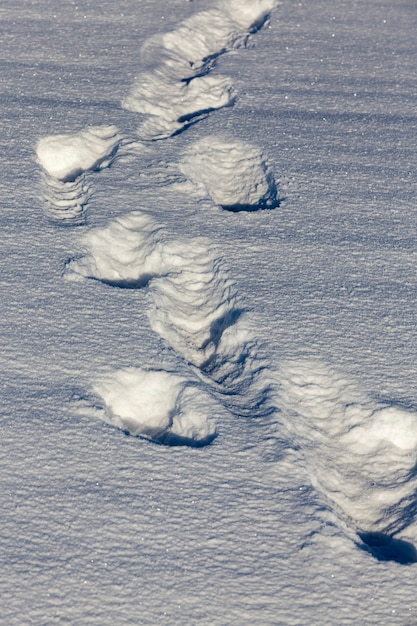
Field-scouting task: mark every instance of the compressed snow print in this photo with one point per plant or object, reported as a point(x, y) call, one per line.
point(194, 304)
point(234, 174)
point(249, 14)
point(65, 202)
point(175, 105)
point(193, 47)
point(360, 453)
point(65, 159)
point(159, 405)
point(174, 88)
point(196, 309)
point(127, 253)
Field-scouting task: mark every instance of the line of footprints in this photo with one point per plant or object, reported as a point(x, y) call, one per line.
point(359, 453)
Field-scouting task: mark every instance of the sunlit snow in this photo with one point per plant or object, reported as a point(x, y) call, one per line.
point(209, 376)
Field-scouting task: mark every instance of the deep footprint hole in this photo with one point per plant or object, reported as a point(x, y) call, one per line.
point(386, 548)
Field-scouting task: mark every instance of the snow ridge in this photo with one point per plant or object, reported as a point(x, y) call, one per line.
point(65, 159)
point(360, 453)
point(175, 89)
point(232, 173)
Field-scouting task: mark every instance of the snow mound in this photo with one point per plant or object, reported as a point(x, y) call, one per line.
point(127, 253)
point(65, 159)
point(248, 14)
point(194, 304)
point(362, 454)
point(175, 105)
point(233, 173)
point(159, 405)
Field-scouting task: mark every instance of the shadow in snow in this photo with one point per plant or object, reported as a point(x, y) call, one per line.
point(262, 206)
point(386, 548)
point(173, 440)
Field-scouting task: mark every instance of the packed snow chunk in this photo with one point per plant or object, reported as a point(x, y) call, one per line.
point(65, 157)
point(159, 405)
point(232, 173)
point(175, 105)
point(362, 454)
point(195, 302)
point(127, 253)
point(192, 48)
point(248, 14)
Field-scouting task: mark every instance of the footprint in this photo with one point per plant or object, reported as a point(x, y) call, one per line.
point(360, 453)
point(65, 159)
point(174, 88)
point(173, 106)
point(194, 304)
point(194, 46)
point(156, 404)
point(128, 253)
point(232, 173)
point(249, 14)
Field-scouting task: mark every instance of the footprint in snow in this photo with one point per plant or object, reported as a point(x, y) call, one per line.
point(360, 453)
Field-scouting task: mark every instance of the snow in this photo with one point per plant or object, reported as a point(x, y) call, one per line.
point(174, 105)
point(208, 416)
point(158, 405)
point(194, 306)
point(65, 157)
point(249, 14)
point(232, 173)
point(128, 252)
point(362, 454)
point(177, 92)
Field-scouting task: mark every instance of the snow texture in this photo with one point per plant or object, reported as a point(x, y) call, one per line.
point(232, 173)
point(308, 512)
point(65, 159)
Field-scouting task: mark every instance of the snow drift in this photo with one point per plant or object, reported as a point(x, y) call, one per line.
point(157, 404)
point(233, 173)
point(65, 159)
point(362, 454)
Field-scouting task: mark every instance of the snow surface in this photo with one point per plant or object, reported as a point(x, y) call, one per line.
point(264, 361)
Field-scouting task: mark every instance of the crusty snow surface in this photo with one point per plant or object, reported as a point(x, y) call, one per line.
point(208, 218)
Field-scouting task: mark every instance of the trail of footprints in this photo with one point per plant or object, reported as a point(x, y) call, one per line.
point(359, 453)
